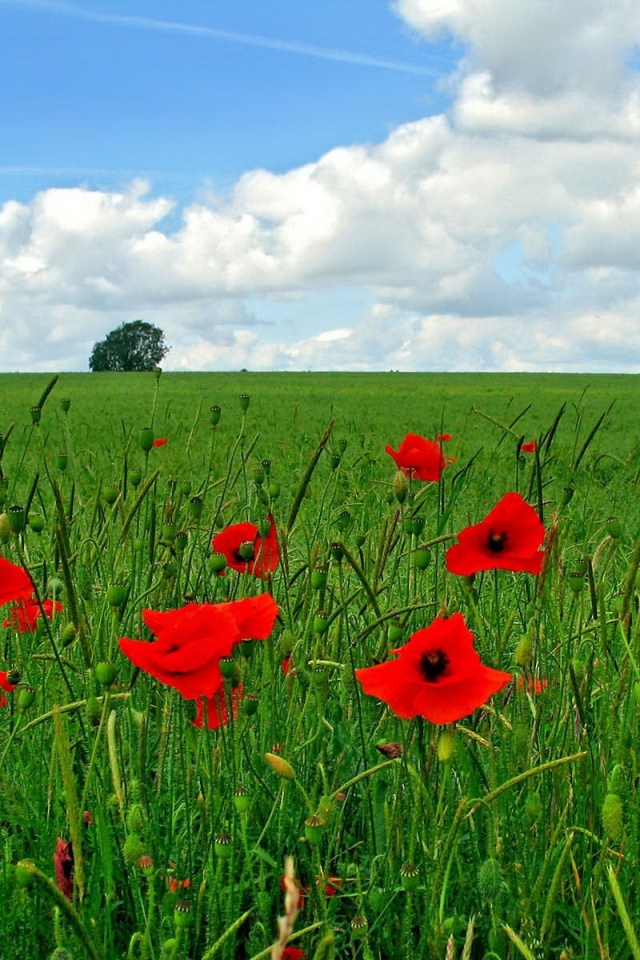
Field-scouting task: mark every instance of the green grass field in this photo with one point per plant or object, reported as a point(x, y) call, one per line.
point(504, 825)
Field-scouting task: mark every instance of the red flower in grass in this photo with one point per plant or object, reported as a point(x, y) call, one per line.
point(293, 953)
point(508, 538)
point(532, 684)
point(160, 442)
point(24, 616)
point(63, 866)
point(437, 675)
point(192, 639)
point(419, 457)
point(529, 446)
point(443, 437)
point(5, 686)
point(246, 550)
point(214, 708)
point(15, 583)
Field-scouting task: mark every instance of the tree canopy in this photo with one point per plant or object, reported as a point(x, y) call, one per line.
point(136, 345)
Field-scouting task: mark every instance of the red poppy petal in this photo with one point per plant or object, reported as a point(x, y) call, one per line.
point(201, 682)
point(446, 704)
point(15, 583)
point(254, 616)
point(267, 555)
point(228, 542)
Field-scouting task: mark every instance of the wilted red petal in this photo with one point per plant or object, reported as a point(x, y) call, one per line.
point(267, 555)
point(419, 457)
point(508, 538)
point(63, 866)
point(214, 708)
point(15, 583)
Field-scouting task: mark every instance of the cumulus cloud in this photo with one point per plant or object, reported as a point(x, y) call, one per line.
point(503, 235)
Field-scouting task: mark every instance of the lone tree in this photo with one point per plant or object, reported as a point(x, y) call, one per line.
point(131, 346)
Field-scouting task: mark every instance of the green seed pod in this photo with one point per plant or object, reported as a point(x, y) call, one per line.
point(274, 490)
point(24, 873)
point(228, 667)
point(168, 532)
point(36, 522)
point(16, 519)
point(614, 528)
point(400, 486)
point(360, 539)
point(182, 914)
point(116, 595)
point(266, 466)
point(217, 562)
point(318, 578)
point(110, 492)
point(576, 581)
point(246, 550)
point(336, 552)
point(258, 476)
point(395, 633)
point(245, 400)
point(36, 414)
point(567, 496)
point(409, 877)
point(223, 845)
point(334, 460)
point(26, 697)
point(314, 828)
point(65, 404)
point(250, 705)
point(612, 816)
point(196, 507)
point(359, 927)
point(135, 478)
point(320, 622)
point(342, 444)
point(422, 558)
point(241, 800)
point(214, 415)
point(185, 488)
point(181, 541)
point(106, 673)
point(62, 462)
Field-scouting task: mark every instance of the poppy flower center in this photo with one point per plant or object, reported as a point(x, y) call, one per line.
point(432, 665)
point(496, 541)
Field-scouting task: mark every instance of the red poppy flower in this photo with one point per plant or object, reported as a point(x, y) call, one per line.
point(174, 884)
point(5, 686)
point(214, 708)
point(419, 457)
point(15, 583)
point(507, 539)
point(285, 666)
point(443, 437)
point(191, 640)
point(246, 550)
point(24, 616)
point(293, 953)
point(437, 675)
point(532, 684)
point(63, 866)
point(529, 446)
point(160, 442)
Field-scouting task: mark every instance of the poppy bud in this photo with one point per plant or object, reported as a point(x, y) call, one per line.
point(133, 849)
point(116, 595)
point(409, 877)
point(446, 745)
point(334, 460)
point(214, 415)
point(524, 651)
point(612, 816)
point(135, 478)
point(168, 532)
point(258, 476)
point(106, 673)
point(320, 622)
point(614, 528)
point(181, 541)
point(274, 490)
point(281, 766)
point(241, 800)
point(26, 697)
point(62, 461)
point(490, 880)
point(245, 400)
point(422, 558)
point(336, 552)
point(36, 522)
point(576, 581)
point(395, 633)
point(400, 486)
point(342, 444)
point(110, 493)
point(36, 413)
point(16, 519)
point(314, 827)
point(146, 439)
point(223, 845)
point(616, 780)
point(319, 578)
point(65, 403)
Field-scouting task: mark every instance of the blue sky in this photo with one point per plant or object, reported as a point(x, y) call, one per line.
point(199, 92)
point(339, 184)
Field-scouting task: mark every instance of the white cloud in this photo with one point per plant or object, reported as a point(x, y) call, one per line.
point(502, 236)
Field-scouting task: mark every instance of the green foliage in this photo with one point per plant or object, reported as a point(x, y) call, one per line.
point(131, 346)
point(516, 834)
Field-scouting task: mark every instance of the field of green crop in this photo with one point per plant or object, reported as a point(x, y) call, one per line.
point(283, 743)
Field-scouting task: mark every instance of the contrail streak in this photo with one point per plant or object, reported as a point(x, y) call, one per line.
point(213, 33)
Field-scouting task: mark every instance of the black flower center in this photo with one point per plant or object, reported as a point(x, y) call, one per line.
point(496, 541)
point(433, 663)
